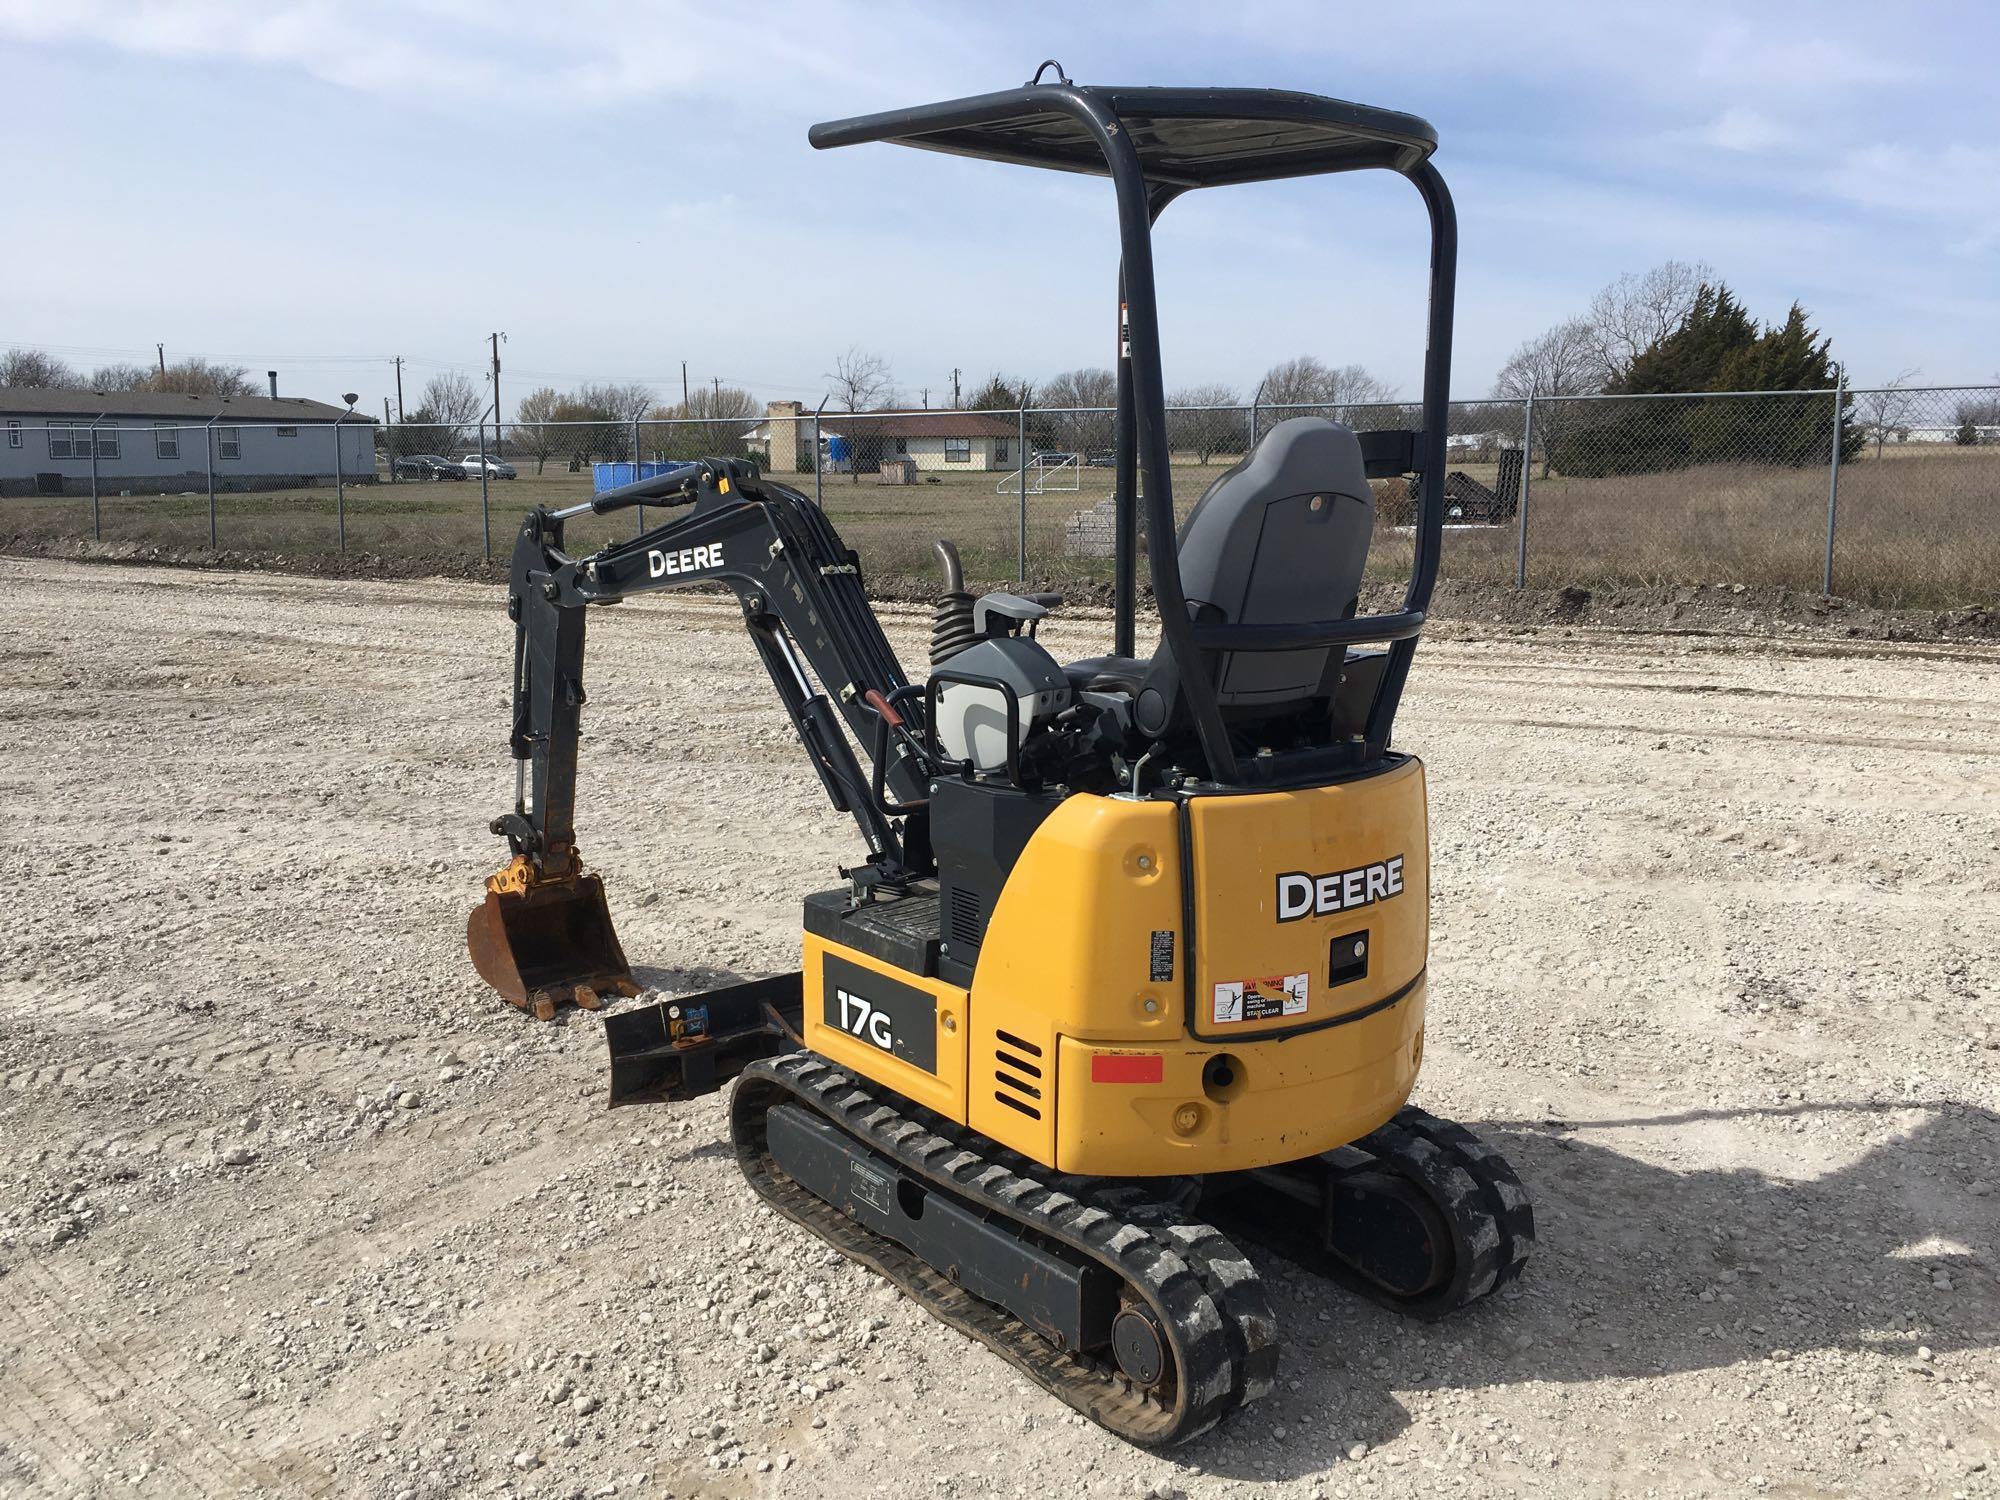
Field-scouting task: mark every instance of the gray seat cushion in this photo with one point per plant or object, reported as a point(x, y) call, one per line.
point(1281, 538)
point(1107, 674)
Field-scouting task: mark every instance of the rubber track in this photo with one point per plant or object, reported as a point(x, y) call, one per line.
point(1228, 1277)
point(1215, 1369)
point(1491, 1219)
point(1506, 1197)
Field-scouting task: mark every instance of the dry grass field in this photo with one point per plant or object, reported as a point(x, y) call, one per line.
point(1918, 526)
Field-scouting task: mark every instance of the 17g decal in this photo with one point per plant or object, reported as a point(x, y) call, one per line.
point(859, 1017)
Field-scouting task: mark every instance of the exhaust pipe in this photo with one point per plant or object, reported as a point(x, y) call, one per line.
point(951, 622)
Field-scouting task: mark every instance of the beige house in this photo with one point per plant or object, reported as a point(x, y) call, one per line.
point(934, 441)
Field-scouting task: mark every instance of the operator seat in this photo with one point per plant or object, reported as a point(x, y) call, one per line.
point(1281, 538)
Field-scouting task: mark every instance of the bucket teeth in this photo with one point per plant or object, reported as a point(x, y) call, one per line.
point(544, 941)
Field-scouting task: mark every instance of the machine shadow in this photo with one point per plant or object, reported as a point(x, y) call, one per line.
point(1626, 1251)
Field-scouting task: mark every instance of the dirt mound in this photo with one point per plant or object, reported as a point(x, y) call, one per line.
point(1728, 609)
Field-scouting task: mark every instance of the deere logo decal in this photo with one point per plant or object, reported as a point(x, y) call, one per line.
point(1303, 895)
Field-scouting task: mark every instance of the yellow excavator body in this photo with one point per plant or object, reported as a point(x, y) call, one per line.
point(1169, 987)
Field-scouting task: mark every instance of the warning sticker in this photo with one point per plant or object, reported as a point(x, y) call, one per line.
point(1260, 999)
point(1161, 956)
point(1229, 1001)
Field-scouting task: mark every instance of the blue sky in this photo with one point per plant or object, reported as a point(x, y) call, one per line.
point(623, 186)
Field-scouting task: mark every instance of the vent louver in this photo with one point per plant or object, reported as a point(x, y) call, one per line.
point(1020, 1080)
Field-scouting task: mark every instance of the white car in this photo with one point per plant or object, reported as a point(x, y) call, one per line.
point(495, 468)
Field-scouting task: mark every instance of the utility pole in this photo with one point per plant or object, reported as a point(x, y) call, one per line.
point(925, 396)
point(162, 348)
point(718, 392)
point(385, 411)
point(495, 338)
point(399, 388)
point(955, 373)
point(684, 385)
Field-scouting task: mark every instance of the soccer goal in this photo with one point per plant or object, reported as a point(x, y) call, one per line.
point(1048, 473)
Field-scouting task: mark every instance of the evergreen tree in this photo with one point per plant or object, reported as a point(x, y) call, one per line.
point(1715, 333)
point(1716, 347)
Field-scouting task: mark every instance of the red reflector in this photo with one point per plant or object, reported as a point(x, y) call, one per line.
point(1127, 1067)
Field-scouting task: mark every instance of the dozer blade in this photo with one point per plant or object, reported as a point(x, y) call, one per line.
point(546, 943)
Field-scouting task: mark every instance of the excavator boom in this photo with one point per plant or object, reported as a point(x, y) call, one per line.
point(543, 936)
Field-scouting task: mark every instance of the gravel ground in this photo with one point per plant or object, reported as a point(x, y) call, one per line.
point(290, 1206)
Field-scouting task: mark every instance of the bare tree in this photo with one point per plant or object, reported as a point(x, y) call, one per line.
point(31, 367)
point(534, 431)
point(121, 377)
point(859, 383)
point(1078, 431)
point(627, 400)
point(1639, 309)
point(1561, 362)
point(861, 380)
point(1206, 420)
point(712, 422)
point(1001, 393)
point(451, 402)
point(1308, 381)
point(195, 376)
point(1888, 408)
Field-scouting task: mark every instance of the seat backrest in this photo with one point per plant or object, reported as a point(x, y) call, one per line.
point(1280, 539)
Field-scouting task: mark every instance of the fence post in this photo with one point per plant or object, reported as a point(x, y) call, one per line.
point(818, 498)
point(96, 516)
point(639, 510)
point(1021, 456)
point(1527, 469)
point(1833, 482)
point(339, 487)
point(485, 502)
point(208, 455)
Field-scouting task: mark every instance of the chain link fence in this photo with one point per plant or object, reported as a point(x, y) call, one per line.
point(1890, 496)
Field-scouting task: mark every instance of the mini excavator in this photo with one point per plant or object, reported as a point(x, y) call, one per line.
point(1134, 966)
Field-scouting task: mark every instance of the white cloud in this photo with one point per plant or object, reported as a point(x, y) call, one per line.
point(509, 52)
point(1951, 189)
point(1779, 57)
point(1740, 129)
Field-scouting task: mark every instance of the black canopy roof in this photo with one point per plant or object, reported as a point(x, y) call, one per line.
point(1185, 138)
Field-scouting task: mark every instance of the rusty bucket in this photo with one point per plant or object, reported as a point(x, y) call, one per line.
point(546, 943)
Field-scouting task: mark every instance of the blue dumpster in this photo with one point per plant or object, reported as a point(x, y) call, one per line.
point(610, 476)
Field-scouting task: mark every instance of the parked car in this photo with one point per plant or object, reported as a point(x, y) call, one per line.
point(496, 468)
point(427, 466)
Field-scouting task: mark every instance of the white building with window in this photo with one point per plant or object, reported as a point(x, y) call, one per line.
point(51, 442)
point(934, 441)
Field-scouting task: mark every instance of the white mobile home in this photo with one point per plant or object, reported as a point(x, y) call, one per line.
point(932, 441)
point(52, 441)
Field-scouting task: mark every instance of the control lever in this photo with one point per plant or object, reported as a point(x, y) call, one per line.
point(1003, 613)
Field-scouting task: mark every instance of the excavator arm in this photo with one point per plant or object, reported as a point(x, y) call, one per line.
point(543, 934)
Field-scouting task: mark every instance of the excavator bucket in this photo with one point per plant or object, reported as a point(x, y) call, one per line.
point(545, 943)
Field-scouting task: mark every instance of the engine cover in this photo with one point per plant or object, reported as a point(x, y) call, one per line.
point(972, 717)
